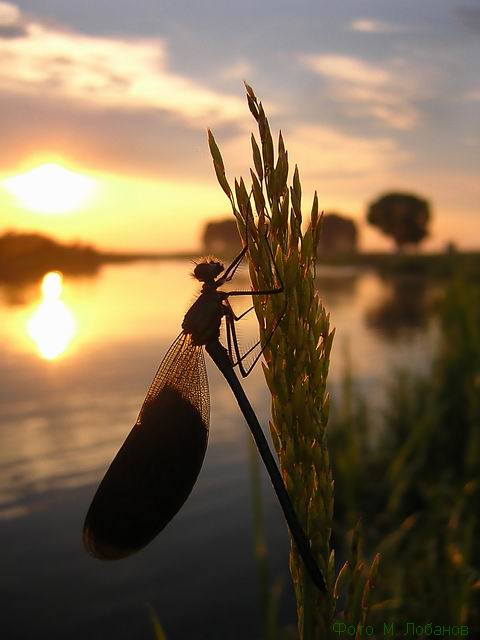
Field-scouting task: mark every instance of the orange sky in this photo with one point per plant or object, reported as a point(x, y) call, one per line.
point(127, 110)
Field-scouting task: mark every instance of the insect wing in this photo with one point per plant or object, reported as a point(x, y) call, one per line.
point(157, 466)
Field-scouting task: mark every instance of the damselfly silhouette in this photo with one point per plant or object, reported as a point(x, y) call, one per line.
point(157, 466)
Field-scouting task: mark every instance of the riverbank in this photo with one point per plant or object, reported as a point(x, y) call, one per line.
point(27, 256)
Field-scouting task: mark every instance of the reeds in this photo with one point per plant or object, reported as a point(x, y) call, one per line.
point(418, 486)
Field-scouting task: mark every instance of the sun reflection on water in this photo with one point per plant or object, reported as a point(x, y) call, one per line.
point(52, 325)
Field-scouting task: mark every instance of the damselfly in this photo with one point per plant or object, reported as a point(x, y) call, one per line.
point(157, 466)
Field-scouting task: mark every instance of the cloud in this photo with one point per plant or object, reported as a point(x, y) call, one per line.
point(9, 14)
point(241, 70)
point(331, 153)
point(368, 25)
point(342, 166)
point(10, 21)
point(104, 73)
point(146, 143)
point(471, 142)
point(468, 16)
point(473, 95)
point(349, 69)
point(382, 93)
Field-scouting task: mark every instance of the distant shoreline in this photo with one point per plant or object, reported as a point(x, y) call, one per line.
point(28, 256)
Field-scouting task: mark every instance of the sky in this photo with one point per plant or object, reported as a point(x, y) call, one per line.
point(371, 96)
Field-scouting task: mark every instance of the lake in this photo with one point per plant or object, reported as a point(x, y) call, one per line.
point(76, 359)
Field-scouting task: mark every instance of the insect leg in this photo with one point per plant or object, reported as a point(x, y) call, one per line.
point(236, 318)
point(231, 317)
point(232, 337)
point(263, 292)
point(231, 269)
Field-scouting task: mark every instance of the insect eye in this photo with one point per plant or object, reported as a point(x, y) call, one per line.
point(207, 270)
point(217, 268)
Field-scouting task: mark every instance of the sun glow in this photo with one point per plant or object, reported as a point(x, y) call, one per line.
point(52, 326)
point(50, 188)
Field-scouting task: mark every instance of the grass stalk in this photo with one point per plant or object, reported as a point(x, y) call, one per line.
point(296, 353)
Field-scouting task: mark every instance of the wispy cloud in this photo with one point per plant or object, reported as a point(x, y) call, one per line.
point(468, 16)
point(9, 14)
point(326, 153)
point(472, 142)
point(10, 21)
point(473, 95)
point(104, 72)
point(369, 25)
point(241, 70)
point(348, 69)
point(363, 89)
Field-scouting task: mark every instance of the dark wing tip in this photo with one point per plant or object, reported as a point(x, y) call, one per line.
point(102, 550)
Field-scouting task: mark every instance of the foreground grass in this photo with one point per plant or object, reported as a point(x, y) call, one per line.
point(296, 339)
point(417, 490)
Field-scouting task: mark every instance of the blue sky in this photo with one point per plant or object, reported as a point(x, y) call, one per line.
point(371, 95)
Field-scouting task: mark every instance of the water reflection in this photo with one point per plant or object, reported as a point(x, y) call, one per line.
point(62, 421)
point(337, 283)
point(52, 325)
point(403, 307)
point(63, 418)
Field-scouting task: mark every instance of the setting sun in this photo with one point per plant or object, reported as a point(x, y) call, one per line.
point(50, 188)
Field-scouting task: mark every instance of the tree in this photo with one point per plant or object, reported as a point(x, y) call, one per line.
point(402, 216)
point(222, 237)
point(337, 234)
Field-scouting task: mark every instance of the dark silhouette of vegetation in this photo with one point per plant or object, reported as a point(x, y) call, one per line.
point(221, 237)
point(25, 257)
point(402, 216)
point(338, 234)
point(416, 485)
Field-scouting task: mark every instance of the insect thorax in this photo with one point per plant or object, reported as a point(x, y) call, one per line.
point(202, 321)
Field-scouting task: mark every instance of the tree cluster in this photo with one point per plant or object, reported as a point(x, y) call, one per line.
point(402, 216)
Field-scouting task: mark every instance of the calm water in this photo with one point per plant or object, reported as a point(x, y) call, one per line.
point(74, 368)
